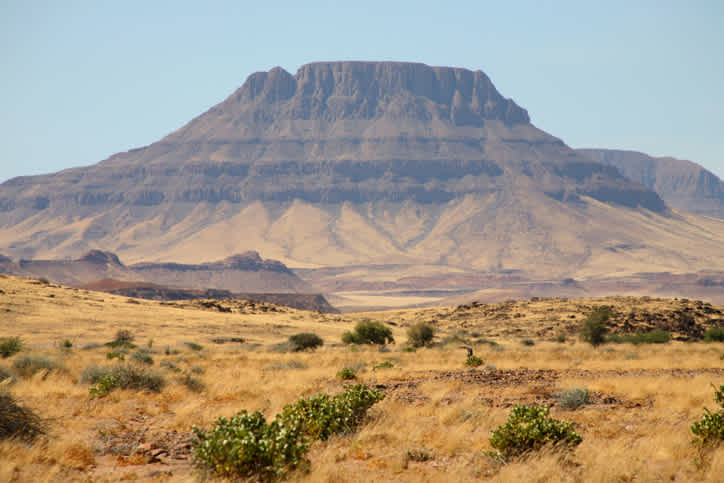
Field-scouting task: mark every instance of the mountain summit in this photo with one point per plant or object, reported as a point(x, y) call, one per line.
point(355, 163)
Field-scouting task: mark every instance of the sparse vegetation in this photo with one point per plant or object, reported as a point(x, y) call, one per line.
point(305, 341)
point(656, 336)
point(709, 430)
point(529, 428)
point(31, 364)
point(528, 342)
point(124, 376)
point(10, 346)
point(474, 361)
point(420, 334)
point(383, 365)
point(193, 346)
point(573, 399)
point(714, 334)
point(18, 421)
point(192, 383)
point(142, 356)
point(5, 373)
point(123, 340)
point(595, 326)
point(369, 332)
point(346, 374)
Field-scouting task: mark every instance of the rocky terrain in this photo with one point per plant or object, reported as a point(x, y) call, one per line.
point(683, 185)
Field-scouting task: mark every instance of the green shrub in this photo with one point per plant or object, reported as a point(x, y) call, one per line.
point(194, 346)
point(120, 355)
point(304, 341)
point(383, 365)
point(595, 326)
point(573, 399)
point(347, 374)
point(420, 334)
point(31, 364)
point(656, 336)
point(170, 366)
point(17, 421)
point(369, 332)
point(529, 428)
point(66, 344)
point(409, 349)
point(561, 338)
point(714, 334)
point(710, 428)
point(528, 342)
point(10, 346)
point(247, 446)
point(321, 416)
point(126, 376)
point(474, 361)
point(142, 356)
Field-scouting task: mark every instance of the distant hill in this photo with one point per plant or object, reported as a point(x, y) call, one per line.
point(151, 291)
point(247, 273)
point(683, 185)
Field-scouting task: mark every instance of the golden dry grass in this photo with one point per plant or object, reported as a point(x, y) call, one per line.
point(644, 398)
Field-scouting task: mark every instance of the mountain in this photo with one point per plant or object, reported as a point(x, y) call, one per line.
point(358, 165)
point(683, 185)
point(246, 272)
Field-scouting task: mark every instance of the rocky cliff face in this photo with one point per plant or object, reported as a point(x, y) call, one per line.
point(681, 184)
point(352, 163)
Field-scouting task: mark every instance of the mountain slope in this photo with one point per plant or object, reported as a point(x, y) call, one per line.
point(359, 163)
point(681, 184)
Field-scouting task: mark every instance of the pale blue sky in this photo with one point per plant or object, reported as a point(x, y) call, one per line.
point(82, 80)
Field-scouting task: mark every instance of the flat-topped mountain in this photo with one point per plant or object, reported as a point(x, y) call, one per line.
point(683, 185)
point(359, 163)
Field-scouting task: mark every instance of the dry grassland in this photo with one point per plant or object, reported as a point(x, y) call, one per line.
point(432, 426)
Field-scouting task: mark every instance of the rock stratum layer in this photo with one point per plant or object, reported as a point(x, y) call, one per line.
point(359, 163)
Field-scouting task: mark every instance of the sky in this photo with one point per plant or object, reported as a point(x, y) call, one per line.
point(82, 80)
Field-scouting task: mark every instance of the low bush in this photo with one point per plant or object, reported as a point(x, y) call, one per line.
point(573, 399)
point(420, 334)
point(710, 428)
point(714, 334)
point(126, 376)
point(143, 357)
point(595, 326)
point(31, 364)
point(383, 365)
point(304, 341)
point(66, 344)
point(321, 416)
point(529, 428)
point(528, 342)
point(369, 332)
point(474, 361)
point(347, 374)
point(656, 336)
point(10, 346)
point(17, 421)
point(120, 355)
point(192, 383)
point(194, 346)
point(249, 447)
